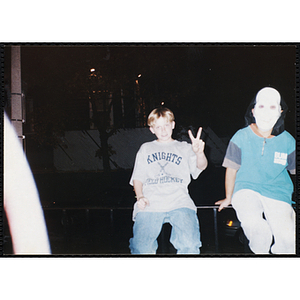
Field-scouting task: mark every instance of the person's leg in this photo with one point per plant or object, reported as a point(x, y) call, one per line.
point(146, 229)
point(249, 210)
point(185, 234)
point(281, 217)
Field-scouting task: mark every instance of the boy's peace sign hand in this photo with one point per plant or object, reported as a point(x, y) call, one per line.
point(197, 143)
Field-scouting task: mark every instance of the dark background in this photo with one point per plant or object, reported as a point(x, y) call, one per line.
point(211, 85)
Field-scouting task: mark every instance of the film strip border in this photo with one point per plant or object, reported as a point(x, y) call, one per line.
point(1, 145)
point(297, 94)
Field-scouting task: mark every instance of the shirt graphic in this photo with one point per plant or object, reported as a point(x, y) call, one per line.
point(280, 158)
point(163, 176)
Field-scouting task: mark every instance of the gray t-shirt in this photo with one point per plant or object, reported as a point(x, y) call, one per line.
point(165, 170)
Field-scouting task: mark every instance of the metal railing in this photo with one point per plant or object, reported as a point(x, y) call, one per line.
point(65, 223)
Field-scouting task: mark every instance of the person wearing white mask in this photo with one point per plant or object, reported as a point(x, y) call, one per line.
point(257, 183)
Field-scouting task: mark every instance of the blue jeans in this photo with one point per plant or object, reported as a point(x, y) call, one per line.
point(185, 234)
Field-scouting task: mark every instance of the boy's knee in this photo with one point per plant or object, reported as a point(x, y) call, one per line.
point(189, 244)
point(142, 247)
point(189, 251)
point(189, 247)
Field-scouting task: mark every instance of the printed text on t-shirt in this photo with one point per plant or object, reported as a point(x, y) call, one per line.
point(171, 157)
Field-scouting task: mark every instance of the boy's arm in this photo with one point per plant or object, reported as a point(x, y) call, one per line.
point(198, 148)
point(138, 188)
point(142, 202)
point(201, 161)
point(229, 187)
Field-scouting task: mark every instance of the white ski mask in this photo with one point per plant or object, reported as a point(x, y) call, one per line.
point(267, 109)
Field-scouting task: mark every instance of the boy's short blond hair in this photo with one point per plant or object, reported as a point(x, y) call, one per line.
point(160, 112)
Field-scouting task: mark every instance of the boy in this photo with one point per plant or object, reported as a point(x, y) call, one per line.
point(160, 178)
point(257, 182)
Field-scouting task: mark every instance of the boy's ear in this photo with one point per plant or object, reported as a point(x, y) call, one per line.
point(173, 124)
point(151, 129)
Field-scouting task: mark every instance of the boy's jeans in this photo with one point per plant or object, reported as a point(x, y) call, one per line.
point(185, 234)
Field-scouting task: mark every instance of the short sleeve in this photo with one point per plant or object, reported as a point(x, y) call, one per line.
point(291, 159)
point(291, 163)
point(233, 156)
point(138, 170)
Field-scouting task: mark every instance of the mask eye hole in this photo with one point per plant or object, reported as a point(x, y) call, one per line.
point(273, 107)
point(260, 106)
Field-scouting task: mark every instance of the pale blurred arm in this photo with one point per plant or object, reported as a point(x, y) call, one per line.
point(21, 199)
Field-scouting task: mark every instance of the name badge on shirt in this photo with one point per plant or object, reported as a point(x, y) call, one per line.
point(280, 158)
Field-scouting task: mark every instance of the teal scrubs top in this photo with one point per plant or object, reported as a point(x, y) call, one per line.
point(262, 163)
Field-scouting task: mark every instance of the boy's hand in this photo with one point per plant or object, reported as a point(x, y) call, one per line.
point(223, 203)
point(197, 143)
point(142, 202)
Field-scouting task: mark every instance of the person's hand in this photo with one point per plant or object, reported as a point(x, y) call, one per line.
point(223, 203)
point(142, 202)
point(197, 143)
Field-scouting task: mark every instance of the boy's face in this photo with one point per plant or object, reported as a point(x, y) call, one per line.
point(163, 129)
